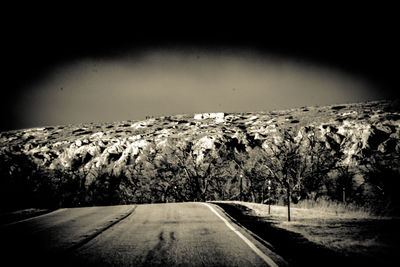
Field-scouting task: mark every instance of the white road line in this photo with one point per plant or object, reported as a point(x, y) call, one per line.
point(267, 259)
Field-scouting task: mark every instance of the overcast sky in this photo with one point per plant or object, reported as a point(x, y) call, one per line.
point(72, 67)
point(166, 82)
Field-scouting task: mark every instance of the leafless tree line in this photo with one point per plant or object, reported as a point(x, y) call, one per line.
point(289, 167)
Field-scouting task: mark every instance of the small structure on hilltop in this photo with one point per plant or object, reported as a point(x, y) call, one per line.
point(219, 117)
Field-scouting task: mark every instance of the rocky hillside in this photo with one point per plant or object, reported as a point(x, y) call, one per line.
point(354, 131)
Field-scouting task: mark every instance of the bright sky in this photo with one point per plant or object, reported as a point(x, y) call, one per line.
point(166, 82)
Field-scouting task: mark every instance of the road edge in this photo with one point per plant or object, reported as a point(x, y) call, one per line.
point(254, 235)
point(255, 249)
point(34, 217)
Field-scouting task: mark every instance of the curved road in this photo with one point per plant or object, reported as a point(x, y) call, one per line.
point(175, 234)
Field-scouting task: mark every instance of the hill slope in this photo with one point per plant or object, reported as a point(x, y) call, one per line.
point(88, 154)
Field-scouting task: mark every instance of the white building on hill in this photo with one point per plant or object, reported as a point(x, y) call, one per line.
point(219, 117)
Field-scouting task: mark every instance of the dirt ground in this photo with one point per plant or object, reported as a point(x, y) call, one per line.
point(324, 241)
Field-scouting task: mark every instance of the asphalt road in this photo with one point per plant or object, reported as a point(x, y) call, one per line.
point(175, 234)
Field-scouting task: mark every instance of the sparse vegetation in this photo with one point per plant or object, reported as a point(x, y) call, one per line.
point(329, 233)
point(262, 158)
point(327, 206)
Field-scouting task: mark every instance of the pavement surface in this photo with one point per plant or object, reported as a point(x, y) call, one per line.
point(175, 234)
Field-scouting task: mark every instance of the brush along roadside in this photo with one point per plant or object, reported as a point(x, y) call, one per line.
point(318, 236)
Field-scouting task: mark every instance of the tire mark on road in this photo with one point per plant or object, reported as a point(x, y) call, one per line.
point(152, 254)
point(89, 237)
point(153, 259)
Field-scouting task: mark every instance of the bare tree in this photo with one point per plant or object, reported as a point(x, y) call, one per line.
point(253, 171)
point(286, 163)
point(319, 160)
point(235, 151)
point(381, 173)
point(197, 167)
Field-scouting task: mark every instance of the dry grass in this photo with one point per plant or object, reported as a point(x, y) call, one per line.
point(322, 209)
point(342, 228)
point(340, 209)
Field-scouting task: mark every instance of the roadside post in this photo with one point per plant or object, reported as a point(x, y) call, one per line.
point(240, 186)
point(344, 194)
point(269, 197)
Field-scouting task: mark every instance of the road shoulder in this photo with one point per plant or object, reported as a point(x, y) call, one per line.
point(259, 246)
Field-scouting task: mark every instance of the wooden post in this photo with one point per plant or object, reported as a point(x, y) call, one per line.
point(269, 197)
point(344, 195)
point(240, 187)
point(288, 203)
